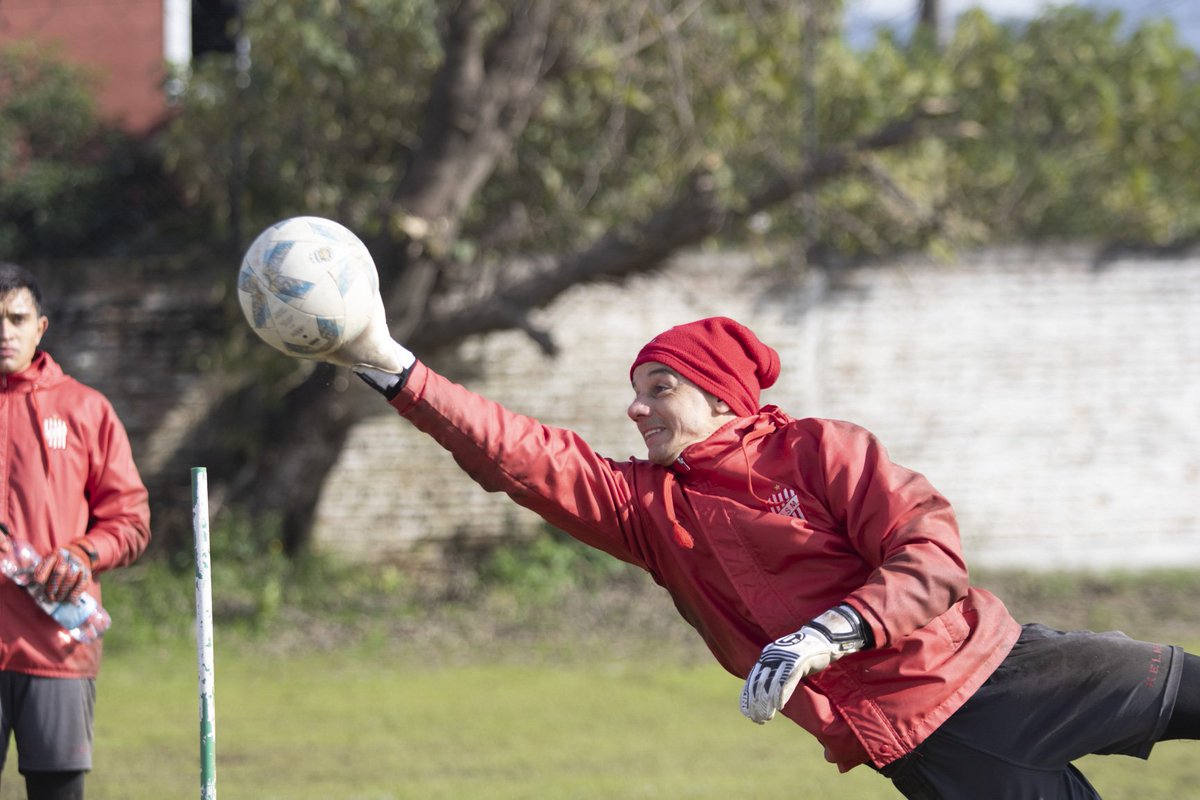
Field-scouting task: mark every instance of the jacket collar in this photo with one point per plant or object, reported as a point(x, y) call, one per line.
point(731, 439)
point(710, 460)
point(43, 371)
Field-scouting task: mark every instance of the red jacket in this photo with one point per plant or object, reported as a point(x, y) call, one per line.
point(67, 472)
point(786, 518)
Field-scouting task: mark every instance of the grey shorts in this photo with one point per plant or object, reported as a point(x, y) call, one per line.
point(51, 720)
point(1056, 698)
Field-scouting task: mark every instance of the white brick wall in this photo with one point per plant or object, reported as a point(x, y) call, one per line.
point(1054, 401)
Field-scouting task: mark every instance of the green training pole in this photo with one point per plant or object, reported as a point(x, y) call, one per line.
point(204, 635)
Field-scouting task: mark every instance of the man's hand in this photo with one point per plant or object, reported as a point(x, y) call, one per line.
point(388, 382)
point(65, 573)
point(785, 661)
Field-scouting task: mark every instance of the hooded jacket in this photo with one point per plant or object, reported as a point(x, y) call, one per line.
point(66, 472)
point(755, 531)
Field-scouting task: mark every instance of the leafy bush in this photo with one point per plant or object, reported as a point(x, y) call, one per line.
point(69, 183)
point(258, 591)
point(549, 563)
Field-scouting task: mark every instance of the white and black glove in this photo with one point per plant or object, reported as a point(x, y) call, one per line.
point(785, 661)
point(386, 383)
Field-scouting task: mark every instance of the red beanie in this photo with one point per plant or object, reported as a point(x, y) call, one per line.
point(722, 357)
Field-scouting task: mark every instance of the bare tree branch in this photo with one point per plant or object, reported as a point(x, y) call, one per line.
point(489, 84)
point(669, 24)
point(480, 100)
point(837, 161)
point(692, 216)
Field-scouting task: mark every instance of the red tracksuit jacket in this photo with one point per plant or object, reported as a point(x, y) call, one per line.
point(755, 531)
point(67, 471)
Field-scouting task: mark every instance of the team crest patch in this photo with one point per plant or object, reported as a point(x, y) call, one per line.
point(786, 502)
point(54, 431)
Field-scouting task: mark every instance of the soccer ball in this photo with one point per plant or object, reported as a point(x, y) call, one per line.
point(307, 286)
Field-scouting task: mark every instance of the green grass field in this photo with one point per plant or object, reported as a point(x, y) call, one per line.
point(342, 726)
point(527, 689)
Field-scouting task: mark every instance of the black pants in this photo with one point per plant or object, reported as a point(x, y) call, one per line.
point(1056, 698)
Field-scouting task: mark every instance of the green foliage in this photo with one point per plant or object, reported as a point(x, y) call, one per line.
point(1085, 131)
point(154, 600)
point(256, 589)
point(68, 182)
point(321, 120)
point(335, 94)
point(547, 565)
point(47, 122)
point(252, 582)
point(1084, 134)
point(652, 94)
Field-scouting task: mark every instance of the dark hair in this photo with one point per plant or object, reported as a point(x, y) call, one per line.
point(14, 277)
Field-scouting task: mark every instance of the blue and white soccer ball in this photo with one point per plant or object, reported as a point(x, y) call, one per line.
point(307, 286)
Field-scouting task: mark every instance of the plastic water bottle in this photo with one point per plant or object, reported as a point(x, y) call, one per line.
point(84, 620)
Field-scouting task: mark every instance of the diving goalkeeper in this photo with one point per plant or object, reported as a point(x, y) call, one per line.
point(825, 575)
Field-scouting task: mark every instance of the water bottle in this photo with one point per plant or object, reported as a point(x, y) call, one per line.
point(84, 620)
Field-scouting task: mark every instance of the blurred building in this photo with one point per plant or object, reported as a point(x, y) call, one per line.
point(132, 47)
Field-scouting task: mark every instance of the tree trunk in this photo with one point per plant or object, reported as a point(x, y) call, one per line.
point(485, 91)
point(929, 18)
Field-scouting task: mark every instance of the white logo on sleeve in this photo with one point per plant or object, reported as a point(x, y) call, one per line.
point(54, 430)
point(786, 502)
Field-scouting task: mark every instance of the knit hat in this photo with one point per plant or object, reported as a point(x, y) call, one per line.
point(722, 357)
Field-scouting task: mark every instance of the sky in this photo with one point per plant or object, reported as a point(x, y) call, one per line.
point(863, 15)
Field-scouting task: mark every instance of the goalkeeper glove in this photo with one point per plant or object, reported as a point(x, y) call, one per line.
point(66, 573)
point(386, 383)
point(785, 661)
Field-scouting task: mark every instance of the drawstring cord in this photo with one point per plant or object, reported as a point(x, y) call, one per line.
point(682, 537)
point(753, 436)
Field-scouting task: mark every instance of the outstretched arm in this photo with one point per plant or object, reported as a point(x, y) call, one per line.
point(549, 470)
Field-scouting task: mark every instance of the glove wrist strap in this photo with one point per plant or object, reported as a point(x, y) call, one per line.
point(387, 384)
point(844, 628)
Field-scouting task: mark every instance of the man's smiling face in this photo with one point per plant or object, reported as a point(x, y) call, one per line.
point(671, 412)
